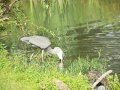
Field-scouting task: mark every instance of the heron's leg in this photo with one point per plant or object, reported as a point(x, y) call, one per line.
point(31, 56)
point(42, 55)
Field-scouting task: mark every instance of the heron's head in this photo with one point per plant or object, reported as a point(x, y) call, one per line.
point(59, 53)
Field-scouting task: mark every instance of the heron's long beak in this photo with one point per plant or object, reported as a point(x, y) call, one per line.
point(61, 60)
point(61, 65)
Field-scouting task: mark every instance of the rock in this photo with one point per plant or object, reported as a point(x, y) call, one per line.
point(61, 85)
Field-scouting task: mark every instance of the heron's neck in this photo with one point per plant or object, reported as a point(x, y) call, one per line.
point(50, 50)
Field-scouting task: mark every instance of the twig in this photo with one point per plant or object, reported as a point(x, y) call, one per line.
point(101, 77)
point(8, 7)
point(4, 19)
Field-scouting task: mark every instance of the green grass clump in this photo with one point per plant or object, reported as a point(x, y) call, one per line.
point(17, 74)
point(85, 64)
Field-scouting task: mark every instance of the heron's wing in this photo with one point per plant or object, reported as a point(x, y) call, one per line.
point(25, 39)
point(40, 41)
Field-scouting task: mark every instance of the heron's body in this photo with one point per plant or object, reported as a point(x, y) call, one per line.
point(40, 41)
point(45, 44)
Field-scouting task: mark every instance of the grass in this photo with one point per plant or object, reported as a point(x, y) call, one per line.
point(17, 74)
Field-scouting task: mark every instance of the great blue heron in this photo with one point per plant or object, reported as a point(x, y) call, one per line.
point(45, 44)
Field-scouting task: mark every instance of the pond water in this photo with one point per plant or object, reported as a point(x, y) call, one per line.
point(98, 40)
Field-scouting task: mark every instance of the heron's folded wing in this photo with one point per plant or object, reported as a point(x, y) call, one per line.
point(40, 41)
point(25, 39)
